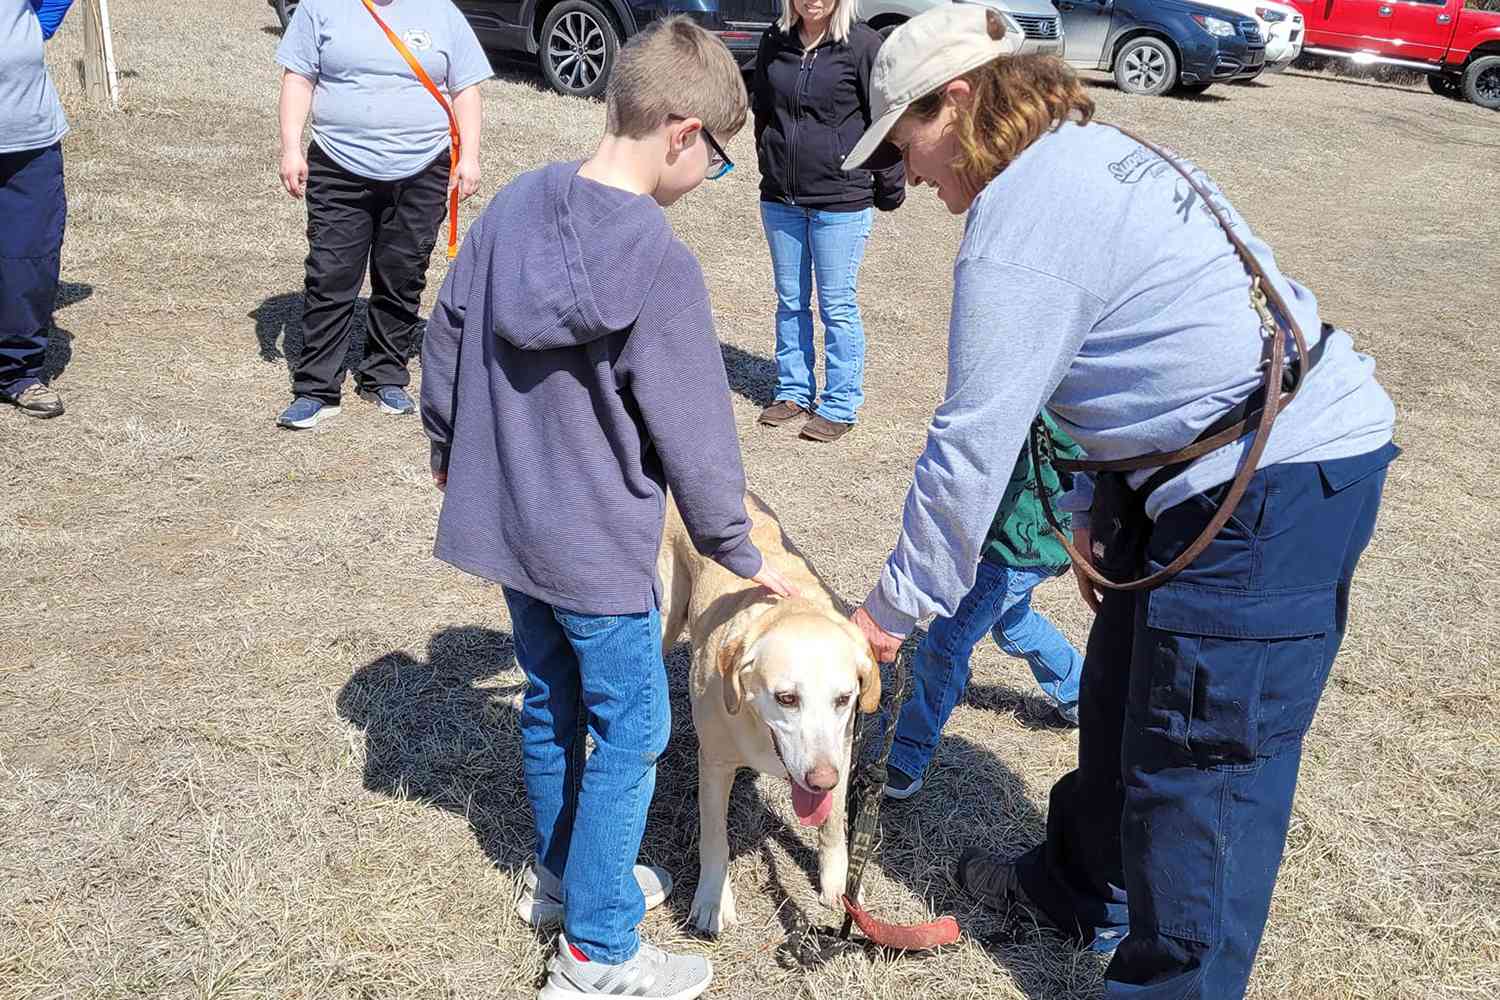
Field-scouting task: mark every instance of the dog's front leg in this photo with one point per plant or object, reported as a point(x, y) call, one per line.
point(833, 846)
point(713, 903)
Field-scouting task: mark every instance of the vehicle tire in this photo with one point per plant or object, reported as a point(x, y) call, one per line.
point(1146, 66)
point(1481, 82)
point(579, 43)
point(1193, 89)
point(1446, 86)
point(884, 31)
point(284, 11)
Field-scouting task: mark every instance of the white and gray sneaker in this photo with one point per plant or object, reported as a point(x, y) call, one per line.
point(650, 973)
point(540, 903)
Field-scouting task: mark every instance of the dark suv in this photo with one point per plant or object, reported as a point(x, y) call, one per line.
point(1153, 46)
point(575, 41)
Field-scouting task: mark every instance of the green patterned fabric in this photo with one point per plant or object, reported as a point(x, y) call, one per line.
point(1020, 535)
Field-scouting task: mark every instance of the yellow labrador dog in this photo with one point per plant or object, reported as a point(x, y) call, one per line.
point(775, 684)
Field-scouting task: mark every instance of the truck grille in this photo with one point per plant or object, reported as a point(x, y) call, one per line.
point(1037, 26)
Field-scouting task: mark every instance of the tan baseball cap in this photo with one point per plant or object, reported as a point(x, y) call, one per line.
point(922, 55)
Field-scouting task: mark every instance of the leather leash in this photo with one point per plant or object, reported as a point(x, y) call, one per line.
point(455, 146)
point(1263, 298)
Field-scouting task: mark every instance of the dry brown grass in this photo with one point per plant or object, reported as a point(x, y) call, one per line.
point(257, 743)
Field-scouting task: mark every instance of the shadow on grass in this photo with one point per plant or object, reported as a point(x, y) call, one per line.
point(750, 375)
point(446, 731)
point(60, 339)
point(278, 332)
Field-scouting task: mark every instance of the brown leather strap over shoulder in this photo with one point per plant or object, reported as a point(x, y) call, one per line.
point(1272, 309)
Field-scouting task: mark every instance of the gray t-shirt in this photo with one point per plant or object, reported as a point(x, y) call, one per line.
point(370, 113)
point(31, 116)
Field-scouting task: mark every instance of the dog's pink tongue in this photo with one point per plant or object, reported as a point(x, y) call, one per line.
point(812, 808)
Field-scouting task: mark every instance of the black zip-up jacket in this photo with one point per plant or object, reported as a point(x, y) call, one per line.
point(811, 106)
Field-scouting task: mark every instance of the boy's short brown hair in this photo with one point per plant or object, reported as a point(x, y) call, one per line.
point(674, 68)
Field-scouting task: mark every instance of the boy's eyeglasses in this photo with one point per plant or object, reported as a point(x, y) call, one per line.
point(719, 162)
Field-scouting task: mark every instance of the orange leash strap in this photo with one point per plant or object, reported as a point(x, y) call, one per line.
point(416, 67)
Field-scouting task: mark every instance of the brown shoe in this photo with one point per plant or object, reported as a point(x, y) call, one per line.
point(823, 429)
point(783, 411)
point(37, 400)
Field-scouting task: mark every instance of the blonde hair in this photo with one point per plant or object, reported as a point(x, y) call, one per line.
point(1016, 100)
point(839, 23)
point(674, 69)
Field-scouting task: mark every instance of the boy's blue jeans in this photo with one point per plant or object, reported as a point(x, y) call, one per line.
point(998, 603)
point(605, 672)
point(826, 248)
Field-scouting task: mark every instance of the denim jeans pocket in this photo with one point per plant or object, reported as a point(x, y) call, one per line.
point(1234, 674)
point(584, 626)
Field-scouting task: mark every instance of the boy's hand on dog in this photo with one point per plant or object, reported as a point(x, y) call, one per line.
point(440, 480)
point(884, 644)
point(775, 582)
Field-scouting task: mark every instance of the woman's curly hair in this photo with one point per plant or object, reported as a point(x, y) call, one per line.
point(1016, 99)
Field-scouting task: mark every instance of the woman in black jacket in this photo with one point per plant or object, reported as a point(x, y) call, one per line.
point(811, 105)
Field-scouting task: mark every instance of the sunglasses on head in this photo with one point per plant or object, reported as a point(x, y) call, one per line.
point(719, 162)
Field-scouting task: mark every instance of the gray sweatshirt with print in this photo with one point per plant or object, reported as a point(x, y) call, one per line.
point(1093, 281)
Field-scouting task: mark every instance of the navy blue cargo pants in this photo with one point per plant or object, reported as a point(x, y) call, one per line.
point(34, 208)
point(1164, 844)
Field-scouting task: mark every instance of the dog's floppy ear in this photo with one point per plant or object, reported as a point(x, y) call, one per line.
point(869, 680)
point(734, 656)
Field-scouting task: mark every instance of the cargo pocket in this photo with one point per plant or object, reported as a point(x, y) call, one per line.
point(1235, 675)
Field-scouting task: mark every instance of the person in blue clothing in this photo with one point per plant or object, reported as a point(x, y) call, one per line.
point(1098, 282)
point(1020, 553)
point(810, 105)
point(33, 202)
point(376, 178)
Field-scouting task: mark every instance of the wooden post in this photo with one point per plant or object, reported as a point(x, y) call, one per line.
point(100, 82)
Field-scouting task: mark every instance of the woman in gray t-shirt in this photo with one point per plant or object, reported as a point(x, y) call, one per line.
point(376, 178)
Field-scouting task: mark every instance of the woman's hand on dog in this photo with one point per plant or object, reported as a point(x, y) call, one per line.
point(884, 644)
point(774, 581)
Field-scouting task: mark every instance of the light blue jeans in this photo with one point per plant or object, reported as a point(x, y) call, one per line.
point(999, 603)
point(605, 671)
point(826, 248)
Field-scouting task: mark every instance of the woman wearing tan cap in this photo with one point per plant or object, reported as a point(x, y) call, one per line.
point(1114, 286)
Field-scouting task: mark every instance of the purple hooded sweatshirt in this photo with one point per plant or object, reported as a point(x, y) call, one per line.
point(570, 374)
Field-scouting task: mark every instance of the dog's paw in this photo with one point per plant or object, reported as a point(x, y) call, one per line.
point(713, 908)
point(833, 876)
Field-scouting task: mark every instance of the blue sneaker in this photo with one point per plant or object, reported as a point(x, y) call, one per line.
point(392, 399)
point(305, 412)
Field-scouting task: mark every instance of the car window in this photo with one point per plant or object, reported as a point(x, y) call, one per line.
point(1490, 5)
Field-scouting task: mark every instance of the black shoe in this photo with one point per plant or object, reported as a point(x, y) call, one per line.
point(900, 785)
point(990, 878)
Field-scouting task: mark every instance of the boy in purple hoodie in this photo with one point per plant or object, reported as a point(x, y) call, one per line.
point(570, 374)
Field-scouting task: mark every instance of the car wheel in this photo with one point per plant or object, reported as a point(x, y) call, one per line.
point(284, 11)
point(1482, 82)
point(1146, 66)
point(578, 48)
point(1193, 89)
point(1446, 86)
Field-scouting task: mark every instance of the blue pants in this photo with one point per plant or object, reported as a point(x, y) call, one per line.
point(35, 209)
point(604, 672)
point(1166, 839)
point(999, 603)
point(810, 246)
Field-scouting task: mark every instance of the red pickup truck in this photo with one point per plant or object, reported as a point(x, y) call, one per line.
point(1455, 42)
